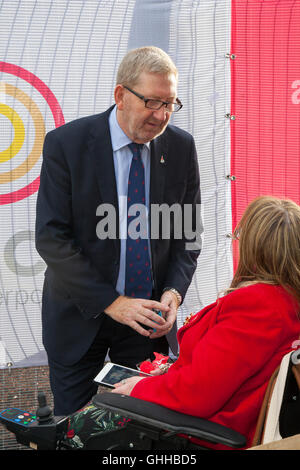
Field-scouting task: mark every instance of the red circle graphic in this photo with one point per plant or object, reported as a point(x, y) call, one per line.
point(58, 117)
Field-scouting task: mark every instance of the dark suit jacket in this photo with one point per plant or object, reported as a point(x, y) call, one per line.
point(77, 176)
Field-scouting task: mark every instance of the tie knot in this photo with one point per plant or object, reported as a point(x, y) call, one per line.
point(135, 148)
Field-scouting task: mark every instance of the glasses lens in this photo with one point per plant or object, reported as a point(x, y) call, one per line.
point(176, 107)
point(236, 234)
point(170, 107)
point(153, 104)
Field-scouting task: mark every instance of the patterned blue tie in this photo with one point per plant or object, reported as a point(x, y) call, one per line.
point(138, 270)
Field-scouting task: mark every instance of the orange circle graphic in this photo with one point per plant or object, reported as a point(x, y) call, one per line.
point(38, 121)
point(19, 132)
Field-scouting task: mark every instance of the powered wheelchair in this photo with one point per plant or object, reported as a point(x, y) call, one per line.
point(153, 427)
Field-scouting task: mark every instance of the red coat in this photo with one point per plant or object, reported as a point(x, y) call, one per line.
point(228, 352)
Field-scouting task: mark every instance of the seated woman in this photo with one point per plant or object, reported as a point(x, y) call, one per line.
point(229, 350)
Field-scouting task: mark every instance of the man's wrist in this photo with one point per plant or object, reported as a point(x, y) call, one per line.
point(175, 292)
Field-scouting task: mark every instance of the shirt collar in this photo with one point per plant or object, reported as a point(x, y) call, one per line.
point(118, 137)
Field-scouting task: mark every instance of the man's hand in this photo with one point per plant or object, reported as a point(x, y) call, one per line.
point(168, 299)
point(134, 312)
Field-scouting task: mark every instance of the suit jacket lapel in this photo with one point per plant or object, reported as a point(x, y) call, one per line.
point(100, 148)
point(158, 171)
point(159, 165)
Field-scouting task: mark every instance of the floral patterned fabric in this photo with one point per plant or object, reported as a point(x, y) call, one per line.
point(90, 421)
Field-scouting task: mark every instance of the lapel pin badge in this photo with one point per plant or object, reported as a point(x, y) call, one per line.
point(162, 160)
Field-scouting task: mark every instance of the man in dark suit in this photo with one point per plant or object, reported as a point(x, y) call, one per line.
point(82, 208)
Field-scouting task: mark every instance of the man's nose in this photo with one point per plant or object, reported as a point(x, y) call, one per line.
point(160, 114)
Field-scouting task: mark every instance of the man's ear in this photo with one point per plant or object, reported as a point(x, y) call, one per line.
point(119, 96)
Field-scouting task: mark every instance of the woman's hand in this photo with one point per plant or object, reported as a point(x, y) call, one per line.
point(158, 371)
point(125, 386)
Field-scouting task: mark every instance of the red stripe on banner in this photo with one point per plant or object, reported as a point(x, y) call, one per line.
point(20, 194)
point(37, 83)
point(265, 135)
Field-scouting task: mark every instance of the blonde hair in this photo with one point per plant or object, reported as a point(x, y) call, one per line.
point(149, 59)
point(269, 244)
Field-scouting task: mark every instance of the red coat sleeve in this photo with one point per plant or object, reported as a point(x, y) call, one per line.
point(248, 328)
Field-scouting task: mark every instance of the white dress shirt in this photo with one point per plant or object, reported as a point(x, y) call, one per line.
point(122, 156)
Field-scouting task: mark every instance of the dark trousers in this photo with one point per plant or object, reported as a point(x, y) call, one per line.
point(73, 386)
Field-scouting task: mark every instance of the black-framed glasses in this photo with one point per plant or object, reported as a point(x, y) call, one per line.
point(157, 104)
point(235, 235)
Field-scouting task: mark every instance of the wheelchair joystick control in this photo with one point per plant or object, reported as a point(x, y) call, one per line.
point(40, 431)
point(44, 412)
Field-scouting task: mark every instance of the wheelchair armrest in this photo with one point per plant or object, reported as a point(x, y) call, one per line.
point(168, 420)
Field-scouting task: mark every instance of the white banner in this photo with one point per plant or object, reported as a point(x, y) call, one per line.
point(58, 62)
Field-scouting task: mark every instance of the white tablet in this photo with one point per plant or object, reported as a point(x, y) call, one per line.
point(114, 373)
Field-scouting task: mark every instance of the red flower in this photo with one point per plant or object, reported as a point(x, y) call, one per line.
point(70, 434)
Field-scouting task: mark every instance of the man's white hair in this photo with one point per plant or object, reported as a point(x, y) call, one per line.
point(148, 59)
